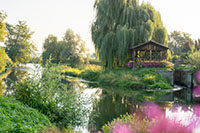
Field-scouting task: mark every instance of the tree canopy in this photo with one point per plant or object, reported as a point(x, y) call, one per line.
point(122, 24)
point(19, 45)
point(180, 42)
point(3, 32)
point(71, 49)
point(4, 59)
point(3, 56)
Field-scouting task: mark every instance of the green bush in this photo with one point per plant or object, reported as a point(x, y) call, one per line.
point(149, 79)
point(194, 61)
point(90, 75)
point(51, 97)
point(18, 118)
point(161, 85)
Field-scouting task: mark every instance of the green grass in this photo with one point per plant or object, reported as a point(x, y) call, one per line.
point(144, 78)
point(18, 118)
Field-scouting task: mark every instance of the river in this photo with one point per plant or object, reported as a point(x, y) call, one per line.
point(108, 103)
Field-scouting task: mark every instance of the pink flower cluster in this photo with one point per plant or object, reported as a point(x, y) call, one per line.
point(196, 91)
point(121, 128)
point(160, 123)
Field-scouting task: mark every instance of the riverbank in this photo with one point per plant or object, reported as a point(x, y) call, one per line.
point(143, 78)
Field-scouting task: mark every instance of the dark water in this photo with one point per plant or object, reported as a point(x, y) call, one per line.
point(108, 103)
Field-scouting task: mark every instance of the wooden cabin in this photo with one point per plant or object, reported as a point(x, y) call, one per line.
point(149, 51)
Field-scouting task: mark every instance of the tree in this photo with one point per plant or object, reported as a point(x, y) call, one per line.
point(3, 56)
point(50, 49)
point(71, 49)
point(180, 42)
point(3, 32)
point(19, 46)
point(122, 24)
point(4, 59)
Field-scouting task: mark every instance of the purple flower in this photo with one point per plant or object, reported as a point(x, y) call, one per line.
point(129, 65)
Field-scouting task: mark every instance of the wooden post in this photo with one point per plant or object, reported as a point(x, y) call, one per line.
point(150, 55)
point(189, 85)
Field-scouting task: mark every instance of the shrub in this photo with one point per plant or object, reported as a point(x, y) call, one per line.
point(149, 79)
point(194, 61)
point(18, 118)
point(62, 105)
point(161, 85)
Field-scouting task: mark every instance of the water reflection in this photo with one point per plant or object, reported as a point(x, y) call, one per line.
point(14, 77)
point(108, 107)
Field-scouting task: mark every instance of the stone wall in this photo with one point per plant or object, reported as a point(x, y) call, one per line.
point(168, 74)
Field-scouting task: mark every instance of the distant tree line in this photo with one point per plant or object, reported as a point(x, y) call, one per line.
point(70, 50)
point(19, 47)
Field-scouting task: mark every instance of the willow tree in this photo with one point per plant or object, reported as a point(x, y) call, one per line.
point(122, 24)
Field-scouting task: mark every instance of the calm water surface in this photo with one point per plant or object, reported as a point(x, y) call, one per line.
point(107, 104)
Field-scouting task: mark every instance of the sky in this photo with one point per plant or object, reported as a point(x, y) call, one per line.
point(46, 17)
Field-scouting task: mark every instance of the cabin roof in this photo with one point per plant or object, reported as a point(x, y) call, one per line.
point(149, 42)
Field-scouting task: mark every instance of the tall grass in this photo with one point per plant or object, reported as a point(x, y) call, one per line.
point(51, 97)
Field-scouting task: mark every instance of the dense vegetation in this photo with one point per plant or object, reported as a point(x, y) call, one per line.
point(4, 59)
point(3, 32)
point(17, 117)
point(123, 26)
point(51, 97)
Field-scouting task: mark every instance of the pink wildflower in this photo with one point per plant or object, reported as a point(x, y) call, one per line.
point(198, 76)
point(152, 111)
point(121, 128)
point(164, 125)
point(196, 110)
point(196, 91)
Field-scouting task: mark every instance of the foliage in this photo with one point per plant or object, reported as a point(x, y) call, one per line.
point(181, 67)
point(70, 50)
point(56, 130)
point(19, 46)
point(180, 42)
point(3, 56)
point(194, 61)
point(123, 78)
point(19, 118)
point(3, 32)
point(51, 97)
point(123, 26)
point(4, 59)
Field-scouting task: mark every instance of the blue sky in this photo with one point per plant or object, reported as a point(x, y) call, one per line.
point(46, 17)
